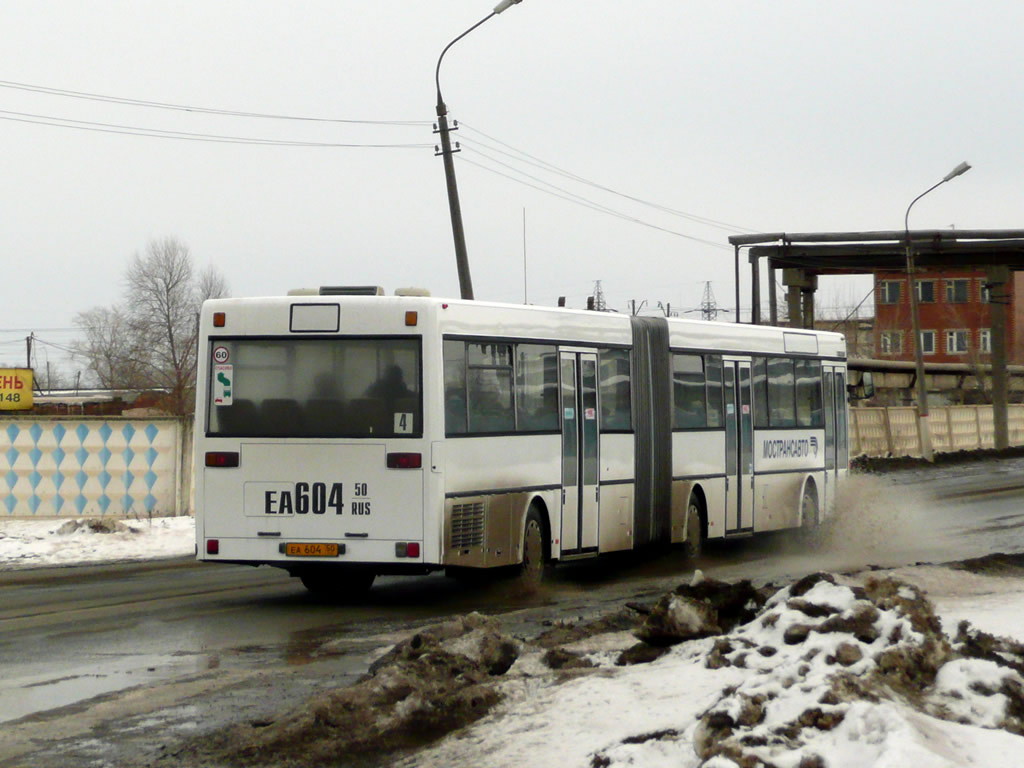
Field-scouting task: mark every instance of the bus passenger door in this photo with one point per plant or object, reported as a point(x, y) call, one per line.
point(739, 448)
point(579, 452)
point(837, 456)
point(828, 380)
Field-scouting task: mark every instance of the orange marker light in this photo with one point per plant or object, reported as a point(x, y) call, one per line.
point(411, 318)
point(219, 319)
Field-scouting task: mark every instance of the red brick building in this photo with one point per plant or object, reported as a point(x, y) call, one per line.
point(955, 314)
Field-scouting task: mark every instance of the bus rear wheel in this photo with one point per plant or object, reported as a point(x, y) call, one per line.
point(531, 570)
point(696, 534)
point(337, 582)
point(809, 509)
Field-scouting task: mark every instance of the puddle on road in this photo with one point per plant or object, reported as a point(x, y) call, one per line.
point(21, 696)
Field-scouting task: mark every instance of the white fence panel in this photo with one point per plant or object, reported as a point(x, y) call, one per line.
point(60, 466)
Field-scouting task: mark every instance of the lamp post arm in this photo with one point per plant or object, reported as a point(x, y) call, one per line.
point(906, 219)
point(437, 70)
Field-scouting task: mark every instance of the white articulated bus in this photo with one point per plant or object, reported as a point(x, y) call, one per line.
point(344, 436)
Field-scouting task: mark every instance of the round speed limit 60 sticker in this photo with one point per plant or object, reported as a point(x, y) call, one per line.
point(221, 354)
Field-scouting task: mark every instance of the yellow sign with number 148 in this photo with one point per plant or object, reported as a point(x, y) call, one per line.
point(15, 389)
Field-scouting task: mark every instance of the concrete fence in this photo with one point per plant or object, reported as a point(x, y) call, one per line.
point(72, 466)
point(894, 431)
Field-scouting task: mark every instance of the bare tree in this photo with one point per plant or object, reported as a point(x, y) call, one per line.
point(109, 348)
point(151, 341)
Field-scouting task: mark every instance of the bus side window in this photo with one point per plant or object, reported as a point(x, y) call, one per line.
point(781, 392)
point(455, 421)
point(759, 374)
point(688, 392)
point(536, 388)
point(713, 372)
point(615, 390)
point(808, 394)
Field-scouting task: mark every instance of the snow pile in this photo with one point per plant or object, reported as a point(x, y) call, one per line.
point(817, 675)
point(80, 541)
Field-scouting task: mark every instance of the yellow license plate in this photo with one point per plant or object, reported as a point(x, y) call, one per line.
point(300, 549)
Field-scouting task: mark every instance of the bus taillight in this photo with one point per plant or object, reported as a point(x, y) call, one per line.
point(213, 546)
point(405, 461)
point(222, 458)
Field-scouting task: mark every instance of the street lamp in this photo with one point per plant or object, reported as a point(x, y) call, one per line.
point(922, 391)
point(461, 260)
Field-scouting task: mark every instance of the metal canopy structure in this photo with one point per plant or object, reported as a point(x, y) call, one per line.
point(852, 253)
point(802, 257)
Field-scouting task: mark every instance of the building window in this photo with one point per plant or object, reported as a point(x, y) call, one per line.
point(925, 291)
point(985, 341)
point(957, 291)
point(927, 342)
point(891, 343)
point(956, 342)
point(985, 292)
point(889, 292)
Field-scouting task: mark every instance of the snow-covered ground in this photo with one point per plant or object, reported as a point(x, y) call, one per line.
point(757, 696)
point(40, 543)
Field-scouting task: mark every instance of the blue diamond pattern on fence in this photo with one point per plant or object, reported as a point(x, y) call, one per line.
point(74, 465)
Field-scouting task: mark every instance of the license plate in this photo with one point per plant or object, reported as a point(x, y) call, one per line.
point(301, 549)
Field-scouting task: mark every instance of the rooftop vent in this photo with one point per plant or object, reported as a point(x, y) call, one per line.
point(411, 292)
point(351, 290)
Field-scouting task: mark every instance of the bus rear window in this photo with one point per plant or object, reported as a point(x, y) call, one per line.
point(315, 388)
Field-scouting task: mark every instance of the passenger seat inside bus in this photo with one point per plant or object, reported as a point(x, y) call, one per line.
point(280, 417)
point(239, 418)
point(325, 417)
point(368, 415)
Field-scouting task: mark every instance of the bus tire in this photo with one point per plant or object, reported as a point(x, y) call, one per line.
point(337, 582)
point(531, 570)
point(809, 512)
point(696, 529)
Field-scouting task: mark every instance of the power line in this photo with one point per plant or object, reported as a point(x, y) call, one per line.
point(578, 200)
point(159, 133)
point(202, 110)
point(538, 162)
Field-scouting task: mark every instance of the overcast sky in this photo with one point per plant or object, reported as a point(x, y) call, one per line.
point(782, 116)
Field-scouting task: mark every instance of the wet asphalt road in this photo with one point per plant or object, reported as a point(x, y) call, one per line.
point(110, 665)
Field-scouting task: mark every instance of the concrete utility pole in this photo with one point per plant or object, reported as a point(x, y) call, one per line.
point(461, 258)
point(924, 430)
